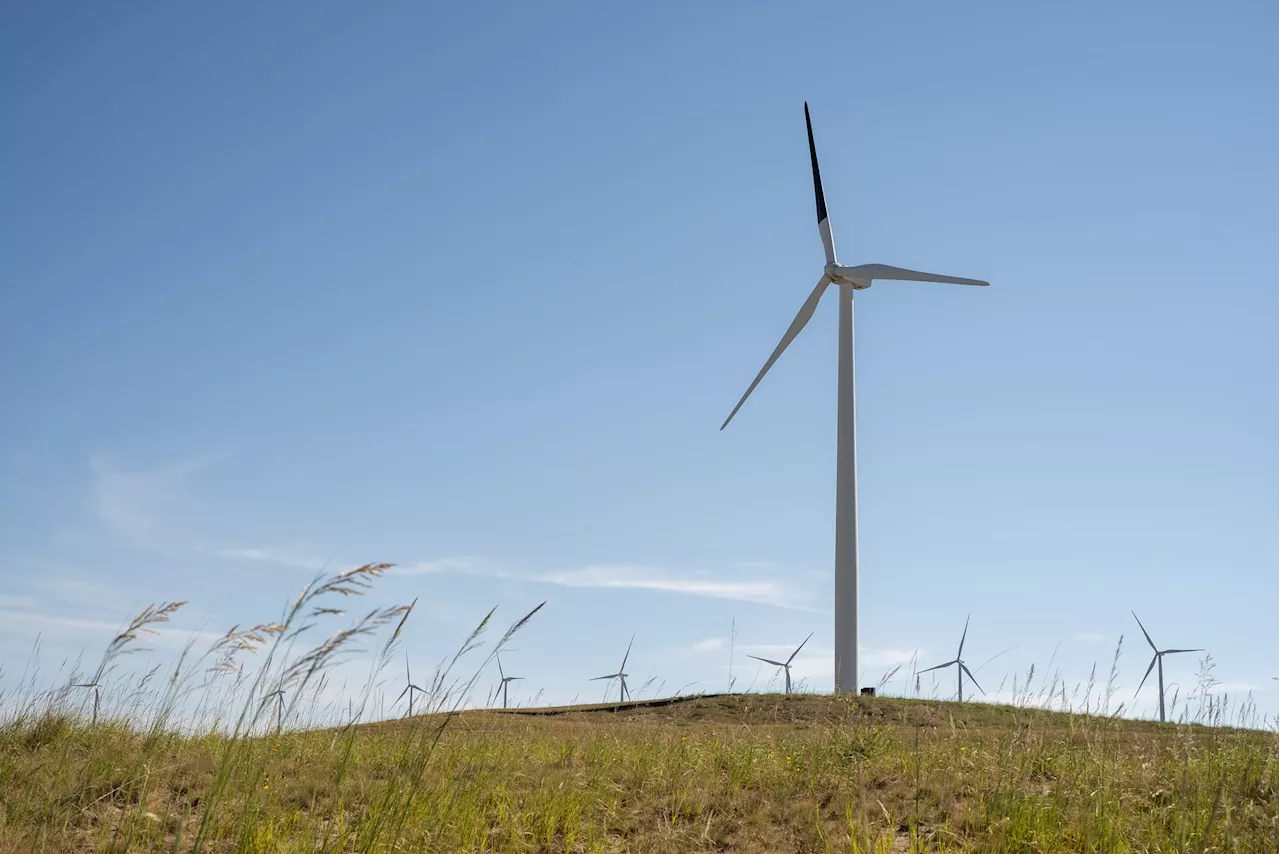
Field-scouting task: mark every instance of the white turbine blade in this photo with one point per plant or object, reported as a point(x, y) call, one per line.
point(800, 647)
point(1171, 651)
point(824, 222)
point(501, 675)
point(402, 693)
point(628, 655)
point(407, 677)
point(971, 679)
point(598, 678)
point(802, 318)
point(884, 271)
point(1150, 667)
point(767, 661)
point(937, 667)
point(1144, 632)
point(960, 651)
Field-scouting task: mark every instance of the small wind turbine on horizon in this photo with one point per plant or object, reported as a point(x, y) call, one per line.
point(1157, 661)
point(94, 687)
point(849, 279)
point(505, 679)
point(962, 670)
point(409, 687)
point(785, 665)
point(621, 676)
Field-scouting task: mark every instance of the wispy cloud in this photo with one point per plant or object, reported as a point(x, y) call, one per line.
point(133, 504)
point(275, 556)
point(628, 577)
point(632, 577)
point(447, 564)
point(1091, 637)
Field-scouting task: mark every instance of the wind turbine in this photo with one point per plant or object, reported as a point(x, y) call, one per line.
point(849, 279)
point(409, 687)
point(785, 665)
point(94, 687)
point(1157, 661)
point(621, 676)
point(505, 679)
point(961, 671)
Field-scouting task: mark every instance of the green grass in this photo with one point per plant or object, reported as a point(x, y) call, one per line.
point(742, 773)
point(197, 762)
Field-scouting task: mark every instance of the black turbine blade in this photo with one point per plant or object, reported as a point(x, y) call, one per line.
point(817, 176)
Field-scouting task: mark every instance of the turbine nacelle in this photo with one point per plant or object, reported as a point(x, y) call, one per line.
point(838, 275)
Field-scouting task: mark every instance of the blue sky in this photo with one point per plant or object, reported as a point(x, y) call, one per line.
point(472, 290)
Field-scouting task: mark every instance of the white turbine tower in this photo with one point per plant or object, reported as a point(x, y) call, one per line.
point(1157, 661)
point(849, 279)
point(961, 670)
point(785, 665)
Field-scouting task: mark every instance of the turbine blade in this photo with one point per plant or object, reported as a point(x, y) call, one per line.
point(407, 677)
point(802, 318)
point(936, 667)
point(824, 223)
point(767, 661)
point(598, 678)
point(402, 693)
point(885, 271)
point(960, 651)
point(501, 675)
point(971, 679)
point(1144, 632)
point(1150, 667)
point(1170, 651)
point(628, 655)
point(800, 647)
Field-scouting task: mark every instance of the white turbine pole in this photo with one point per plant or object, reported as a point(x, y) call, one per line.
point(1160, 679)
point(846, 676)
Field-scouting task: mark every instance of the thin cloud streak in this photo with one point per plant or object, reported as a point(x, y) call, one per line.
point(276, 556)
point(628, 577)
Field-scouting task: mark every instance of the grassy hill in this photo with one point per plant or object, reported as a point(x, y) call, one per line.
point(749, 773)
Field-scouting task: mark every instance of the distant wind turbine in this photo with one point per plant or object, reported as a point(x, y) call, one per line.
point(505, 679)
point(409, 687)
point(1157, 661)
point(621, 676)
point(785, 665)
point(961, 670)
point(849, 279)
point(94, 687)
